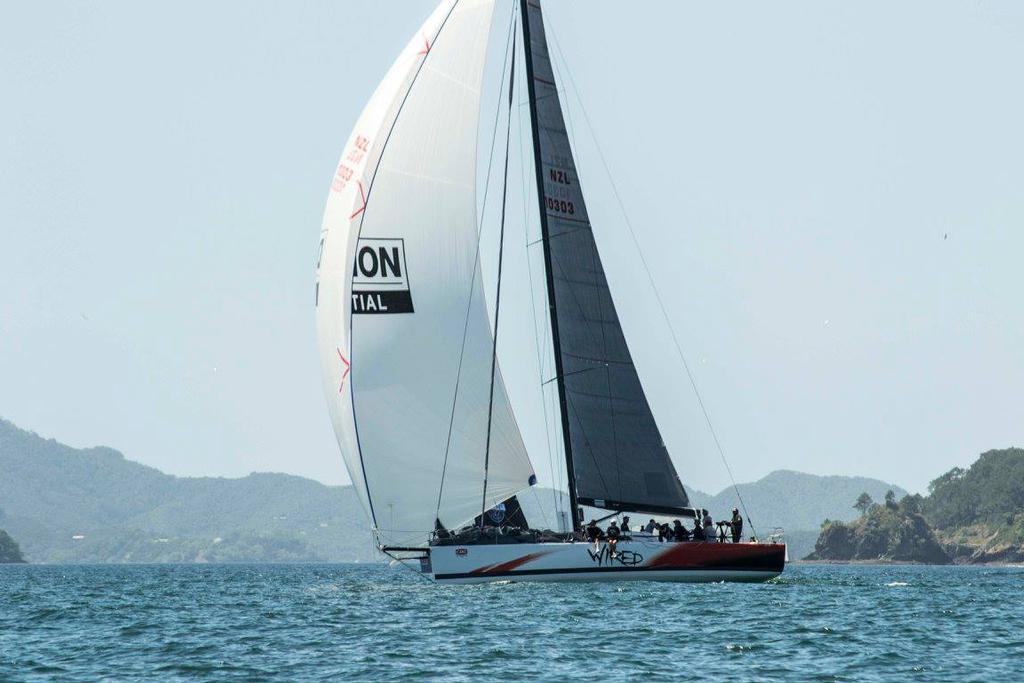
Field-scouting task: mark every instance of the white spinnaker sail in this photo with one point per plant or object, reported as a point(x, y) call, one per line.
point(403, 211)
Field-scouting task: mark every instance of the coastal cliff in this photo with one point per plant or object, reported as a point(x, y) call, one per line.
point(894, 532)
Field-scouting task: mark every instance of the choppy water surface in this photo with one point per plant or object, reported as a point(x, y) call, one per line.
point(351, 622)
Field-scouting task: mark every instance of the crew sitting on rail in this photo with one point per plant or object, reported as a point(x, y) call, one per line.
point(698, 531)
point(613, 536)
point(665, 534)
point(594, 532)
point(624, 527)
point(679, 531)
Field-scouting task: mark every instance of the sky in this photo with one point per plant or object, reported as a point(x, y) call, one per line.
point(830, 197)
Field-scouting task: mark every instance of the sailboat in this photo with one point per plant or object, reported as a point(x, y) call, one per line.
point(414, 387)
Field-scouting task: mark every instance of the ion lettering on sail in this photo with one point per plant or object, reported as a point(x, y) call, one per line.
point(380, 280)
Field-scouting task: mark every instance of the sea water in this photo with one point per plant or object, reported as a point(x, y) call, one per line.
point(359, 622)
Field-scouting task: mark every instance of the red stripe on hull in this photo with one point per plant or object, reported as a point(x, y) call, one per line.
point(712, 555)
point(510, 565)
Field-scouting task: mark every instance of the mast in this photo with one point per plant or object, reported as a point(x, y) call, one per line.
point(549, 274)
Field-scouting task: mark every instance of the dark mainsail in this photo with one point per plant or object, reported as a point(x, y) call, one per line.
point(616, 459)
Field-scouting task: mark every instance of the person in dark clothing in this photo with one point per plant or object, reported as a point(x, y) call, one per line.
point(624, 527)
point(680, 531)
point(613, 534)
point(651, 527)
point(593, 532)
point(737, 526)
point(664, 533)
point(698, 531)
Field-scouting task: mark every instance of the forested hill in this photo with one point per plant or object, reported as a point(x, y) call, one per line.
point(93, 505)
point(64, 504)
point(978, 513)
point(990, 491)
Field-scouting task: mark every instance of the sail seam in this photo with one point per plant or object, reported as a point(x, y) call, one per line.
point(451, 79)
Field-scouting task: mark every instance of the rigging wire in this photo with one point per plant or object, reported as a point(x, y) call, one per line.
point(476, 264)
point(402, 562)
point(650, 278)
point(539, 343)
point(497, 295)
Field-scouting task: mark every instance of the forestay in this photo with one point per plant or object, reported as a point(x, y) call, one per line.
point(399, 287)
point(618, 456)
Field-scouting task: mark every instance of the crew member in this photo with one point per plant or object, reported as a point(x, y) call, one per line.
point(625, 525)
point(698, 531)
point(613, 536)
point(593, 533)
point(680, 531)
point(737, 526)
point(709, 526)
point(651, 527)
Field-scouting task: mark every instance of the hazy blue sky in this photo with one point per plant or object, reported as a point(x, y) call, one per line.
point(830, 195)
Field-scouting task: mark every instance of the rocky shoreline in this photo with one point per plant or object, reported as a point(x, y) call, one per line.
point(890, 532)
point(972, 516)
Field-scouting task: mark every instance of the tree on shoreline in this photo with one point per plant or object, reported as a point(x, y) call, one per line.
point(864, 503)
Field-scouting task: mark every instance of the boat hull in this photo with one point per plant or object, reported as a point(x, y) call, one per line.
point(634, 560)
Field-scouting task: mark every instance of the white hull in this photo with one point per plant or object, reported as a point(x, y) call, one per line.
point(683, 576)
point(634, 560)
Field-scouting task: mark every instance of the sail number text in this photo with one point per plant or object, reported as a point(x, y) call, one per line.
point(560, 206)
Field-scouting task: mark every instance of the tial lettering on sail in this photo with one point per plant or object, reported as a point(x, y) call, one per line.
point(380, 278)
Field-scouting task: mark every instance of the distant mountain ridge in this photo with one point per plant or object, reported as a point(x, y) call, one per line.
point(795, 500)
point(93, 505)
point(64, 504)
